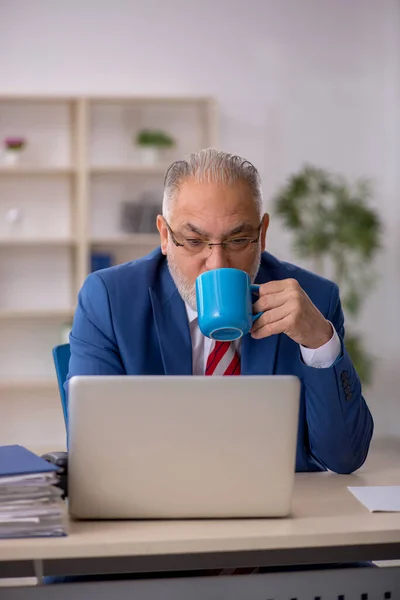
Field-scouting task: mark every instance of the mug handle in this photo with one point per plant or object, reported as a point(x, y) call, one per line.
point(254, 289)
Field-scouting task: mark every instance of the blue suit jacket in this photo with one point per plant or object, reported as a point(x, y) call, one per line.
point(131, 320)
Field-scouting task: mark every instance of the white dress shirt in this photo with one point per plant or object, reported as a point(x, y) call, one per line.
point(319, 358)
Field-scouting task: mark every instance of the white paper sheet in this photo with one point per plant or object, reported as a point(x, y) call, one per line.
point(382, 498)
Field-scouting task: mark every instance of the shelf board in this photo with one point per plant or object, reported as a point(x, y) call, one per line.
point(21, 242)
point(32, 314)
point(28, 171)
point(150, 99)
point(133, 169)
point(27, 384)
point(134, 239)
point(52, 98)
point(46, 99)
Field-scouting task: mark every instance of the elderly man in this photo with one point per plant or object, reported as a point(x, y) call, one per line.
point(140, 318)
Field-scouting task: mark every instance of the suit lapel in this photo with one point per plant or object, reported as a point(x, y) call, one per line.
point(172, 325)
point(258, 356)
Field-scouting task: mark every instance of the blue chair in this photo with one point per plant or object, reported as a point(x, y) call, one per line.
point(61, 355)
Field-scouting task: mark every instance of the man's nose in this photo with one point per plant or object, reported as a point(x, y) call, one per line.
point(216, 258)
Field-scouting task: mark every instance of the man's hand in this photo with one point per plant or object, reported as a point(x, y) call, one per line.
point(287, 309)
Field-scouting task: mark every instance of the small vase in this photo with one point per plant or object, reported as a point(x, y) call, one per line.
point(14, 217)
point(11, 157)
point(149, 155)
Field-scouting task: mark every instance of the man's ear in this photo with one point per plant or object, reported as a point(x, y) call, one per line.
point(163, 230)
point(264, 227)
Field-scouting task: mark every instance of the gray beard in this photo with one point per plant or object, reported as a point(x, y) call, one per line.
point(187, 290)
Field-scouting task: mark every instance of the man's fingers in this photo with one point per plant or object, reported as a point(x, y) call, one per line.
point(271, 316)
point(269, 301)
point(269, 329)
point(274, 287)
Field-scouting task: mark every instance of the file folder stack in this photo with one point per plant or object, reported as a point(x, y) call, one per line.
point(30, 501)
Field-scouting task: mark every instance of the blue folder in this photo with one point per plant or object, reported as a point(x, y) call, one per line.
point(17, 460)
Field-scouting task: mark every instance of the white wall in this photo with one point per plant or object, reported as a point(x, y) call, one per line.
point(297, 80)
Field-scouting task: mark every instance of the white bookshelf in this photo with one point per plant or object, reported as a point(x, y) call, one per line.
point(79, 167)
point(27, 385)
point(128, 169)
point(137, 239)
point(38, 242)
point(32, 171)
point(29, 315)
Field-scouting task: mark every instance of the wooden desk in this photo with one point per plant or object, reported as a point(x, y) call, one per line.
point(327, 525)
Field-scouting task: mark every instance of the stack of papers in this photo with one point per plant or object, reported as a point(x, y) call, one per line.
point(30, 501)
point(380, 498)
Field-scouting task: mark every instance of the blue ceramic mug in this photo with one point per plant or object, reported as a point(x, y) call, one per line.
point(224, 304)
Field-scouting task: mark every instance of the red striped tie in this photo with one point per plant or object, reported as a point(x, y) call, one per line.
point(223, 360)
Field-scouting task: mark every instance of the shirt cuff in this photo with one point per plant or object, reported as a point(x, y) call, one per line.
point(324, 356)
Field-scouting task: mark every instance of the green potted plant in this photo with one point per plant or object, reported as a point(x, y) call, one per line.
point(152, 143)
point(333, 226)
point(13, 147)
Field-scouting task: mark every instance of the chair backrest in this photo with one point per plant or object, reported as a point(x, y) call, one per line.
point(61, 355)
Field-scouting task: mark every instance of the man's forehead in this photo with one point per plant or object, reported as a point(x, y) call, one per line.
point(192, 186)
point(214, 199)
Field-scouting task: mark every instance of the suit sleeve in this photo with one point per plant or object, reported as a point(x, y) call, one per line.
point(340, 425)
point(94, 349)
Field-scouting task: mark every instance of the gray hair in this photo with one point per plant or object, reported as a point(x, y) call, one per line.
point(210, 165)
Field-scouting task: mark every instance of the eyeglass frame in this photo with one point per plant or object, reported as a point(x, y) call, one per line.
point(211, 244)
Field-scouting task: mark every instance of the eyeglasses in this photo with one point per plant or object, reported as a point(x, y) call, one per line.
point(231, 245)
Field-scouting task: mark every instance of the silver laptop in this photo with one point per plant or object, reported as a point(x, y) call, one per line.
point(182, 447)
